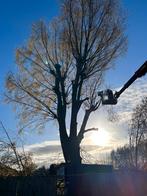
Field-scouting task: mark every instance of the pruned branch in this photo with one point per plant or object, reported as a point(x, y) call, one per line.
point(91, 129)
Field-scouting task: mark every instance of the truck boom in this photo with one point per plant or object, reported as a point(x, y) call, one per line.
point(110, 98)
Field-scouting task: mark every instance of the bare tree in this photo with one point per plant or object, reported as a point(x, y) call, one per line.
point(121, 157)
point(138, 131)
point(12, 160)
point(62, 66)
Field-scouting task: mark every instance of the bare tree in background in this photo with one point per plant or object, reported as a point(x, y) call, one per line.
point(12, 160)
point(62, 66)
point(121, 157)
point(134, 154)
point(138, 132)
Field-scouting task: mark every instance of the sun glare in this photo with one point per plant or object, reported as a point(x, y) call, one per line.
point(100, 138)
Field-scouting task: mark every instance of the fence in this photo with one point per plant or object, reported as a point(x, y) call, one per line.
point(112, 183)
point(121, 183)
point(28, 186)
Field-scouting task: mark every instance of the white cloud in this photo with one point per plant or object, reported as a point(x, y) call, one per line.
point(131, 97)
point(48, 143)
point(46, 152)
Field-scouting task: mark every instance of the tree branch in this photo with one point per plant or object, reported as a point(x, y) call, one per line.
point(38, 100)
point(91, 129)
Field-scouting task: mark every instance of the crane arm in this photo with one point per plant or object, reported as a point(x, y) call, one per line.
point(107, 96)
point(139, 73)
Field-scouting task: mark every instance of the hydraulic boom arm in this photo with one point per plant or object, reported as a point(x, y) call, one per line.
point(107, 96)
point(139, 73)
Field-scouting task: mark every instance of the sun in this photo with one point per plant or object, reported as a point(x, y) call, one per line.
point(100, 137)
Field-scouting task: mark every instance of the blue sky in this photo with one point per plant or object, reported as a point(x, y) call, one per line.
point(136, 30)
point(16, 18)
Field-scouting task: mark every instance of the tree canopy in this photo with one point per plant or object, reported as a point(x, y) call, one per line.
point(61, 67)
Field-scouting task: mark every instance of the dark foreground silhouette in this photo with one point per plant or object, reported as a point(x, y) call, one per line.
point(115, 183)
point(119, 183)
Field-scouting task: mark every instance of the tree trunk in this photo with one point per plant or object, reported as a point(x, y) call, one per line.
point(136, 156)
point(71, 151)
point(74, 150)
